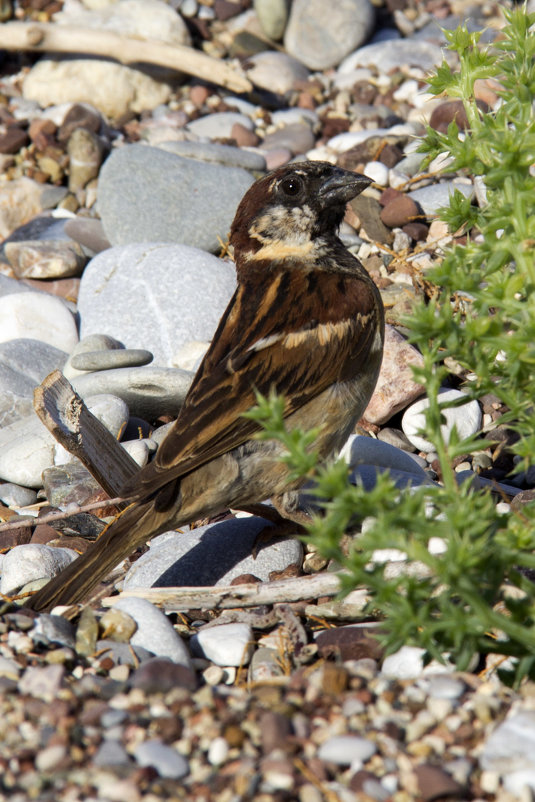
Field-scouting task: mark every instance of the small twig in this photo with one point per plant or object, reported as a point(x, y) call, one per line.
point(224, 598)
point(49, 37)
point(61, 515)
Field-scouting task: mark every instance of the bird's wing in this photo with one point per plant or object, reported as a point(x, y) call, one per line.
point(276, 336)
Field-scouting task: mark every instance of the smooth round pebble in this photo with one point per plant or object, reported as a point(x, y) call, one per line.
point(346, 749)
point(466, 418)
point(164, 759)
point(511, 746)
point(226, 644)
point(106, 360)
point(39, 316)
point(154, 630)
point(218, 751)
point(23, 564)
point(378, 172)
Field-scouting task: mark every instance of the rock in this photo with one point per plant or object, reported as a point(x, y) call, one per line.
point(510, 747)
point(108, 360)
point(322, 40)
point(436, 783)
point(45, 259)
point(89, 344)
point(352, 642)
point(32, 561)
point(227, 155)
point(393, 55)
point(111, 754)
point(399, 211)
point(369, 213)
point(174, 278)
point(219, 125)
point(192, 202)
point(37, 316)
point(466, 418)
point(408, 663)
point(113, 88)
point(53, 629)
point(154, 630)
point(160, 675)
point(16, 496)
point(85, 151)
point(24, 363)
point(12, 139)
point(361, 450)
point(396, 387)
point(378, 172)
point(27, 447)
point(225, 644)
point(20, 200)
point(214, 554)
point(275, 71)
point(88, 232)
point(345, 750)
point(273, 16)
point(295, 137)
point(42, 682)
point(79, 115)
point(434, 196)
point(165, 760)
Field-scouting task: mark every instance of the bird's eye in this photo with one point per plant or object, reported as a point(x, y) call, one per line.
point(291, 185)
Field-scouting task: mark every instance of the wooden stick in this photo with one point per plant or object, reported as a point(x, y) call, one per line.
point(66, 416)
point(54, 38)
point(224, 598)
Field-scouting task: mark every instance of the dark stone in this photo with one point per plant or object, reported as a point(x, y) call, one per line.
point(351, 642)
point(160, 675)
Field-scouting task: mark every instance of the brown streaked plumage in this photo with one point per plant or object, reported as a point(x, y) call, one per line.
point(306, 320)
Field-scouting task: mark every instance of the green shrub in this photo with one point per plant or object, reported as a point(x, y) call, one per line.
point(471, 598)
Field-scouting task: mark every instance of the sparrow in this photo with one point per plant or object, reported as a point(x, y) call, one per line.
point(306, 320)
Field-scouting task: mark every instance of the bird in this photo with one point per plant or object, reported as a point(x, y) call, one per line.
point(305, 321)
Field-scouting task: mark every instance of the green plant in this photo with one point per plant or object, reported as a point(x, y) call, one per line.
point(470, 596)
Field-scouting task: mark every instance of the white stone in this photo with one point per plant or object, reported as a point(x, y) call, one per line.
point(344, 750)
point(32, 561)
point(377, 171)
point(39, 316)
point(466, 418)
point(226, 644)
point(154, 630)
point(511, 746)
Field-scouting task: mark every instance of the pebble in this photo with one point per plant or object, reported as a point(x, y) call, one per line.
point(53, 629)
point(213, 554)
point(89, 344)
point(396, 387)
point(511, 746)
point(219, 125)
point(163, 759)
point(360, 450)
point(466, 418)
point(346, 750)
point(321, 40)
point(106, 360)
point(212, 152)
point(111, 754)
point(278, 72)
point(295, 137)
point(23, 564)
point(16, 496)
point(45, 259)
point(88, 232)
point(20, 200)
point(170, 277)
point(27, 447)
point(273, 16)
point(154, 630)
point(378, 172)
point(24, 363)
point(42, 682)
point(434, 196)
point(225, 644)
point(394, 54)
point(408, 663)
point(37, 316)
point(191, 202)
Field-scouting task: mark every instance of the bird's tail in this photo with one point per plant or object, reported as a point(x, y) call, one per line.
point(132, 527)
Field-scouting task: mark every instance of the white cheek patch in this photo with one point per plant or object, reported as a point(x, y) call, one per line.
point(285, 233)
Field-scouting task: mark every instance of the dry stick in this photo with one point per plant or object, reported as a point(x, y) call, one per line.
point(56, 38)
point(225, 598)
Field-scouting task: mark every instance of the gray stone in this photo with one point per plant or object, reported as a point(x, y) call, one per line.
point(154, 630)
point(191, 202)
point(24, 363)
point(89, 232)
point(296, 137)
point(434, 196)
point(164, 759)
point(185, 292)
point(42, 682)
point(361, 450)
point(111, 754)
point(275, 71)
point(394, 54)
point(11, 286)
point(106, 360)
point(226, 644)
point(149, 392)
point(16, 496)
point(53, 629)
point(123, 654)
point(88, 344)
point(273, 16)
point(219, 125)
point(45, 259)
point(214, 153)
point(23, 564)
point(37, 316)
point(346, 749)
point(212, 555)
point(321, 40)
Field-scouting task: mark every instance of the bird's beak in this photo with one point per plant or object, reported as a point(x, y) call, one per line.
point(342, 186)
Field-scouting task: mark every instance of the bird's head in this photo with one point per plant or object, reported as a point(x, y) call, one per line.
point(293, 212)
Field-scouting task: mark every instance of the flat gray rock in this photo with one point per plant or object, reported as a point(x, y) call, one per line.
point(214, 153)
point(212, 555)
point(158, 297)
point(434, 196)
point(393, 54)
point(219, 124)
point(146, 194)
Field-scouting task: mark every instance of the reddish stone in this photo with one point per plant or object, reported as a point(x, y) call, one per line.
point(399, 211)
point(451, 110)
point(349, 643)
point(388, 195)
point(435, 783)
point(416, 231)
point(199, 95)
point(225, 9)
point(42, 133)
point(13, 139)
point(243, 136)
